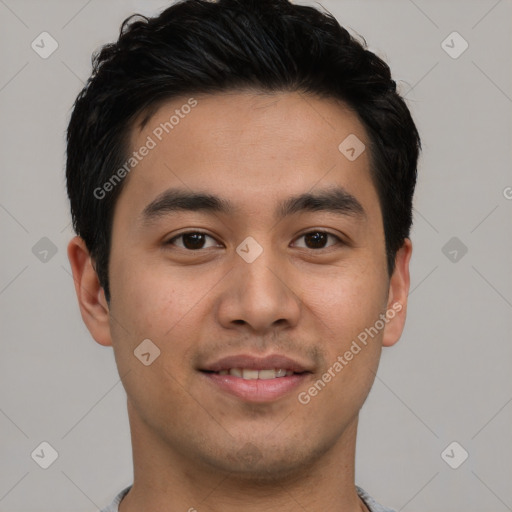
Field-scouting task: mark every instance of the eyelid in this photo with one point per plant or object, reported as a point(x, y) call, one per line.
point(339, 240)
point(190, 232)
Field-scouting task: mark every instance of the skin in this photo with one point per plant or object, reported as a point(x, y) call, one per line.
point(192, 443)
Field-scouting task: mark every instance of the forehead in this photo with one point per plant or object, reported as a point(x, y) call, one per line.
point(250, 148)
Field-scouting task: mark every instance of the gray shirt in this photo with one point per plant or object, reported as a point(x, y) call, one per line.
point(368, 500)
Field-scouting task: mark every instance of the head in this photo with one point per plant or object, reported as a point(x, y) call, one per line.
point(203, 47)
point(242, 107)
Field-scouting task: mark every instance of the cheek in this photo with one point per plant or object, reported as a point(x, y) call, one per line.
point(345, 301)
point(343, 306)
point(151, 297)
point(165, 305)
point(150, 303)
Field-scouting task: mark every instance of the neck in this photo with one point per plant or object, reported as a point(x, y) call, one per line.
point(169, 481)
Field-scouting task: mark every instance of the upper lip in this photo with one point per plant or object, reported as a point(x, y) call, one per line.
point(275, 361)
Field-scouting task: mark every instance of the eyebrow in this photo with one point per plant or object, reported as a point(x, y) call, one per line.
point(334, 200)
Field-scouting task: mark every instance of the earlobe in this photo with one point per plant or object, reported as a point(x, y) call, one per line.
point(396, 310)
point(90, 294)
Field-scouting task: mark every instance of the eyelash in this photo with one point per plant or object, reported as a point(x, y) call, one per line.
point(339, 241)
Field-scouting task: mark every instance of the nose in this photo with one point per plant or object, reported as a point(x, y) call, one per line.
point(259, 296)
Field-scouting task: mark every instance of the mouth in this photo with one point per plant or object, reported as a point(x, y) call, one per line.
point(255, 374)
point(256, 379)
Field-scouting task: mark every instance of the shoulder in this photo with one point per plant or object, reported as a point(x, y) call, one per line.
point(114, 506)
point(372, 505)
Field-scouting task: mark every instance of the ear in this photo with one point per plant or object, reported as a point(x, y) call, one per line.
point(396, 309)
point(91, 297)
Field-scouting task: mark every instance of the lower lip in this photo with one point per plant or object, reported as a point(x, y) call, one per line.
point(257, 390)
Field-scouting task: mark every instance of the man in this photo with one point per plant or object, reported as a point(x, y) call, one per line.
point(241, 175)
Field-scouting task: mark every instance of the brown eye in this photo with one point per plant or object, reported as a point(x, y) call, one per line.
point(318, 240)
point(192, 241)
point(315, 240)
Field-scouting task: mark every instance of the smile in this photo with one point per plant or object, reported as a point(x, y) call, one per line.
point(253, 374)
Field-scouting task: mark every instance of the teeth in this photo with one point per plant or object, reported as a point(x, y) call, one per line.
point(266, 374)
point(250, 374)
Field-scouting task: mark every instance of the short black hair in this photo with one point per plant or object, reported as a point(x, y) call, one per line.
point(204, 46)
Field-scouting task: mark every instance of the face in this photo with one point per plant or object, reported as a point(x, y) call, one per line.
point(250, 250)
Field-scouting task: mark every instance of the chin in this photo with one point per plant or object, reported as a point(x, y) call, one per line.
point(256, 463)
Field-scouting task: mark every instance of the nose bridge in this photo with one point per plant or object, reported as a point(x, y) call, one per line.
point(258, 292)
point(263, 278)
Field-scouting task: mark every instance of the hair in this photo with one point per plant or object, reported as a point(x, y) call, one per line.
point(204, 46)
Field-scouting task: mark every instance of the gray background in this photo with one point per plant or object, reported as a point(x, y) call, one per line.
point(448, 379)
